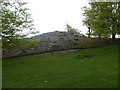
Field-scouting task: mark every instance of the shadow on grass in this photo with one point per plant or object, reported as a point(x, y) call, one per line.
point(83, 56)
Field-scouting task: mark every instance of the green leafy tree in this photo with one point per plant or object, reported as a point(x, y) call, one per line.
point(72, 30)
point(102, 18)
point(87, 23)
point(16, 21)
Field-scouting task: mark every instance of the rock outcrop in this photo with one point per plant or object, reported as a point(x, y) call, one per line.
point(53, 40)
point(47, 42)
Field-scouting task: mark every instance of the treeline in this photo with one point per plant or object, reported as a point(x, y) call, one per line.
point(102, 19)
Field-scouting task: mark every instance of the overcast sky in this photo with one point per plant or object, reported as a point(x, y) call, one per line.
point(52, 15)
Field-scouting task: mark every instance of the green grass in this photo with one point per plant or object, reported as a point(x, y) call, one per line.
point(89, 68)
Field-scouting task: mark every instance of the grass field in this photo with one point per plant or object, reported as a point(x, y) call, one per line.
point(89, 68)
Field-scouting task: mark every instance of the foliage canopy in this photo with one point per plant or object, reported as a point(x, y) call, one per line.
point(16, 23)
point(102, 18)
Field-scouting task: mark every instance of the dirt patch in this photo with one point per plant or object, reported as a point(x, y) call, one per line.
point(83, 56)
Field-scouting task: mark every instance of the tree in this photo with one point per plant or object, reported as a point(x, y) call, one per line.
point(102, 18)
point(16, 21)
point(87, 23)
point(72, 30)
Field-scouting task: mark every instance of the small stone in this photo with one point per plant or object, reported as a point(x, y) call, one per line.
point(45, 81)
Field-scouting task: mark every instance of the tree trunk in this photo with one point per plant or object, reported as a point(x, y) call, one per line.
point(99, 36)
point(89, 32)
point(113, 36)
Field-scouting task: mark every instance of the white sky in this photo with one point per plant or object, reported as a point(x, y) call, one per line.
point(52, 15)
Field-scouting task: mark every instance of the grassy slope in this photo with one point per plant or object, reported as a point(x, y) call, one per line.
point(92, 68)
